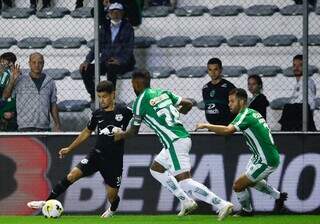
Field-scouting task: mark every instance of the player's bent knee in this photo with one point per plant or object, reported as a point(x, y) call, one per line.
point(157, 167)
point(238, 187)
point(74, 175)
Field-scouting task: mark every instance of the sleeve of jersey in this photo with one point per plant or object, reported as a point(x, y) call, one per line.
point(176, 100)
point(128, 118)
point(240, 122)
point(138, 112)
point(92, 123)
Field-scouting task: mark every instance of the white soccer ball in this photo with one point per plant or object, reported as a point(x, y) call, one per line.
point(52, 209)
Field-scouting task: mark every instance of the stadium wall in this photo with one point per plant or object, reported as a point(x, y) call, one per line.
point(29, 167)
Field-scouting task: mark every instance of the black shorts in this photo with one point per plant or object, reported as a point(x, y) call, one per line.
point(110, 169)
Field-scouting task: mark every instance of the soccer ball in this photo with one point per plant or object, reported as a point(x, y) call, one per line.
point(52, 209)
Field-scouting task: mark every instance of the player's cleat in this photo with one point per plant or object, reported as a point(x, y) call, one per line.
point(280, 202)
point(225, 211)
point(36, 204)
point(188, 207)
point(107, 214)
point(243, 213)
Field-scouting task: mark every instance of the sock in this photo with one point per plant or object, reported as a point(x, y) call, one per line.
point(202, 193)
point(114, 205)
point(168, 181)
point(60, 188)
point(266, 188)
point(244, 200)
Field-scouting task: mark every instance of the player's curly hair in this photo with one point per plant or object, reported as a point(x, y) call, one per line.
point(142, 74)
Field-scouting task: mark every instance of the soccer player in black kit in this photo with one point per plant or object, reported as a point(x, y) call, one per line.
point(107, 155)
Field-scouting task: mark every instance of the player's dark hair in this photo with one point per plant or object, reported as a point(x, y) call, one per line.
point(258, 80)
point(298, 57)
point(215, 61)
point(9, 56)
point(240, 94)
point(105, 86)
point(142, 74)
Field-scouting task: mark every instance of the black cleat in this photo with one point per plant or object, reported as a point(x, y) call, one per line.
point(243, 213)
point(280, 202)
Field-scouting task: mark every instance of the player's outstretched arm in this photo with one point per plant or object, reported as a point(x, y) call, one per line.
point(84, 135)
point(185, 106)
point(218, 129)
point(131, 132)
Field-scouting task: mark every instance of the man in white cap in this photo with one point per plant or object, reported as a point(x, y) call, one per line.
point(117, 44)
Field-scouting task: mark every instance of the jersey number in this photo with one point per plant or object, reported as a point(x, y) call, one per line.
point(171, 115)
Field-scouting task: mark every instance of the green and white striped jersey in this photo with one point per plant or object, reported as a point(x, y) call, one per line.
point(4, 79)
point(157, 109)
point(258, 137)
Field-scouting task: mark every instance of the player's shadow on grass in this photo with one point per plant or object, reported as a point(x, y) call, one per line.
point(8, 183)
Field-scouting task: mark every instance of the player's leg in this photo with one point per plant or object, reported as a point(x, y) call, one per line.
point(114, 201)
point(240, 187)
point(194, 188)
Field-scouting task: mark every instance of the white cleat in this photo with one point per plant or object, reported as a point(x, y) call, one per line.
point(36, 204)
point(188, 207)
point(225, 211)
point(107, 214)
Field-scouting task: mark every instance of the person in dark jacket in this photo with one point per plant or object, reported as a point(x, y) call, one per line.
point(259, 101)
point(117, 46)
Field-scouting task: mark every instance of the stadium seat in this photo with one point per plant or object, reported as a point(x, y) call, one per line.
point(317, 102)
point(191, 11)
point(17, 13)
point(90, 43)
point(52, 13)
point(160, 72)
point(313, 40)
point(311, 70)
point(278, 104)
point(261, 10)
point(34, 42)
point(73, 105)
point(144, 42)
point(174, 41)
point(192, 72)
point(233, 71)
point(265, 71)
point(76, 75)
point(243, 41)
point(293, 10)
point(208, 41)
point(84, 12)
point(201, 105)
point(157, 11)
point(7, 42)
point(69, 42)
point(56, 73)
point(226, 10)
point(279, 40)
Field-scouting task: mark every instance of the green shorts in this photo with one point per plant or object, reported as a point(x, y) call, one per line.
point(258, 171)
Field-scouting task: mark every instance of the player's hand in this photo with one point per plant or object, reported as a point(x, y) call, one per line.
point(201, 126)
point(63, 152)
point(16, 71)
point(83, 67)
point(118, 134)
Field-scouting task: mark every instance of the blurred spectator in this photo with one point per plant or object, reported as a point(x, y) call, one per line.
point(215, 95)
point(116, 50)
point(45, 4)
point(291, 119)
point(5, 4)
point(36, 96)
point(8, 121)
point(259, 101)
point(311, 2)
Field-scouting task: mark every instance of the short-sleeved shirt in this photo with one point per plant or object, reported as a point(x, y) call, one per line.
point(105, 122)
point(157, 109)
point(258, 137)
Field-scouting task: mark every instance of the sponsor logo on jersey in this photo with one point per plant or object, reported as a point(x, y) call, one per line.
point(158, 99)
point(119, 117)
point(212, 93)
point(84, 161)
point(109, 130)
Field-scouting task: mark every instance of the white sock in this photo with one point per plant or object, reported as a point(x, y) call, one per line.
point(171, 184)
point(202, 193)
point(266, 188)
point(244, 200)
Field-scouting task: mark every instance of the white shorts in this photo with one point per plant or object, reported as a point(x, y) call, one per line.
point(259, 171)
point(176, 159)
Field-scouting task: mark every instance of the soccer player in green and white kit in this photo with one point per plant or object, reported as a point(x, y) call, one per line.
point(265, 157)
point(159, 109)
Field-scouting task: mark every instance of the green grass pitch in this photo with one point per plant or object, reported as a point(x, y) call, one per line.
point(163, 219)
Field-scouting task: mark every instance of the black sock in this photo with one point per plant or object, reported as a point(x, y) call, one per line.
point(60, 188)
point(115, 204)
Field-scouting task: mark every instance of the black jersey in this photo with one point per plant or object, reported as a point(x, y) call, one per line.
point(216, 101)
point(260, 104)
point(105, 122)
